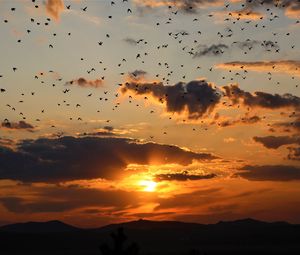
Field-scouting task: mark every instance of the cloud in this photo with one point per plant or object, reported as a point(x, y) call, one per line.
point(292, 7)
point(243, 120)
point(54, 8)
point(294, 153)
point(184, 176)
point(98, 133)
point(6, 142)
point(131, 41)
point(196, 98)
point(261, 99)
point(188, 6)
point(95, 20)
point(70, 158)
point(61, 199)
point(199, 99)
point(290, 67)
point(270, 173)
point(82, 82)
point(190, 199)
point(274, 142)
point(246, 44)
point(245, 14)
point(289, 126)
point(213, 50)
point(137, 75)
point(17, 125)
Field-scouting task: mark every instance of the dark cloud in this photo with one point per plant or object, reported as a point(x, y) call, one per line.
point(196, 98)
point(270, 173)
point(269, 45)
point(61, 199)
point(249, 44)
point(82, 82)
point(261, 99)
point(137, 74)
point(70, 158)
point(98, 133)
point(212, 50)
point(17, 125)
point(188, 6)
point(108, 128)
point(131, 41)
point(184, 176)
point(191, 5)
point(246, 44)
point(274, 142)
point(247, 120)
point(105, 131)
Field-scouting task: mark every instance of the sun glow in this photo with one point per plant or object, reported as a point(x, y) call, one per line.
point(147, 185)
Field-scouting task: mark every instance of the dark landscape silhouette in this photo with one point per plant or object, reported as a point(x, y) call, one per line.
point(246, 236)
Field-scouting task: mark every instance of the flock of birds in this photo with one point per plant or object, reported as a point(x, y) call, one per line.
point(194, 49)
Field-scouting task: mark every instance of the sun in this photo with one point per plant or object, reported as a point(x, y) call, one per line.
point(147, 185)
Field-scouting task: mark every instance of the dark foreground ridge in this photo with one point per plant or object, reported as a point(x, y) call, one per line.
point(245, 236)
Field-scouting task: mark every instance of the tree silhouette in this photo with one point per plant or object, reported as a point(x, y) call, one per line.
point(119, 239)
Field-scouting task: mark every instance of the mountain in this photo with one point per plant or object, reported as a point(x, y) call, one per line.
point(246, 236)
point(38, 227)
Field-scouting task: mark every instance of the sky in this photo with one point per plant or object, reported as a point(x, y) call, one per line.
point(184, 110)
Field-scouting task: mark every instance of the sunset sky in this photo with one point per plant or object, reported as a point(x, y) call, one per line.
point(115, 110)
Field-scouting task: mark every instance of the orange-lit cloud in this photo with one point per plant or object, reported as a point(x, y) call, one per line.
point(246, 15)
point(291, 7)
point(293, 13)
point(285, 66)
point(237, 15)
point(6, 142)
point(54, 8)
point(70, 198)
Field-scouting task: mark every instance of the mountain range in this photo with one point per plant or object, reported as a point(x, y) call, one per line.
point(246, 236)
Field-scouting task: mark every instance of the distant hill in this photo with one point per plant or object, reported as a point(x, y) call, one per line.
point(38, 227)
point(246, 236)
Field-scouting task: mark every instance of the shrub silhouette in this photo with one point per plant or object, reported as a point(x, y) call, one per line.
point(119, 248)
